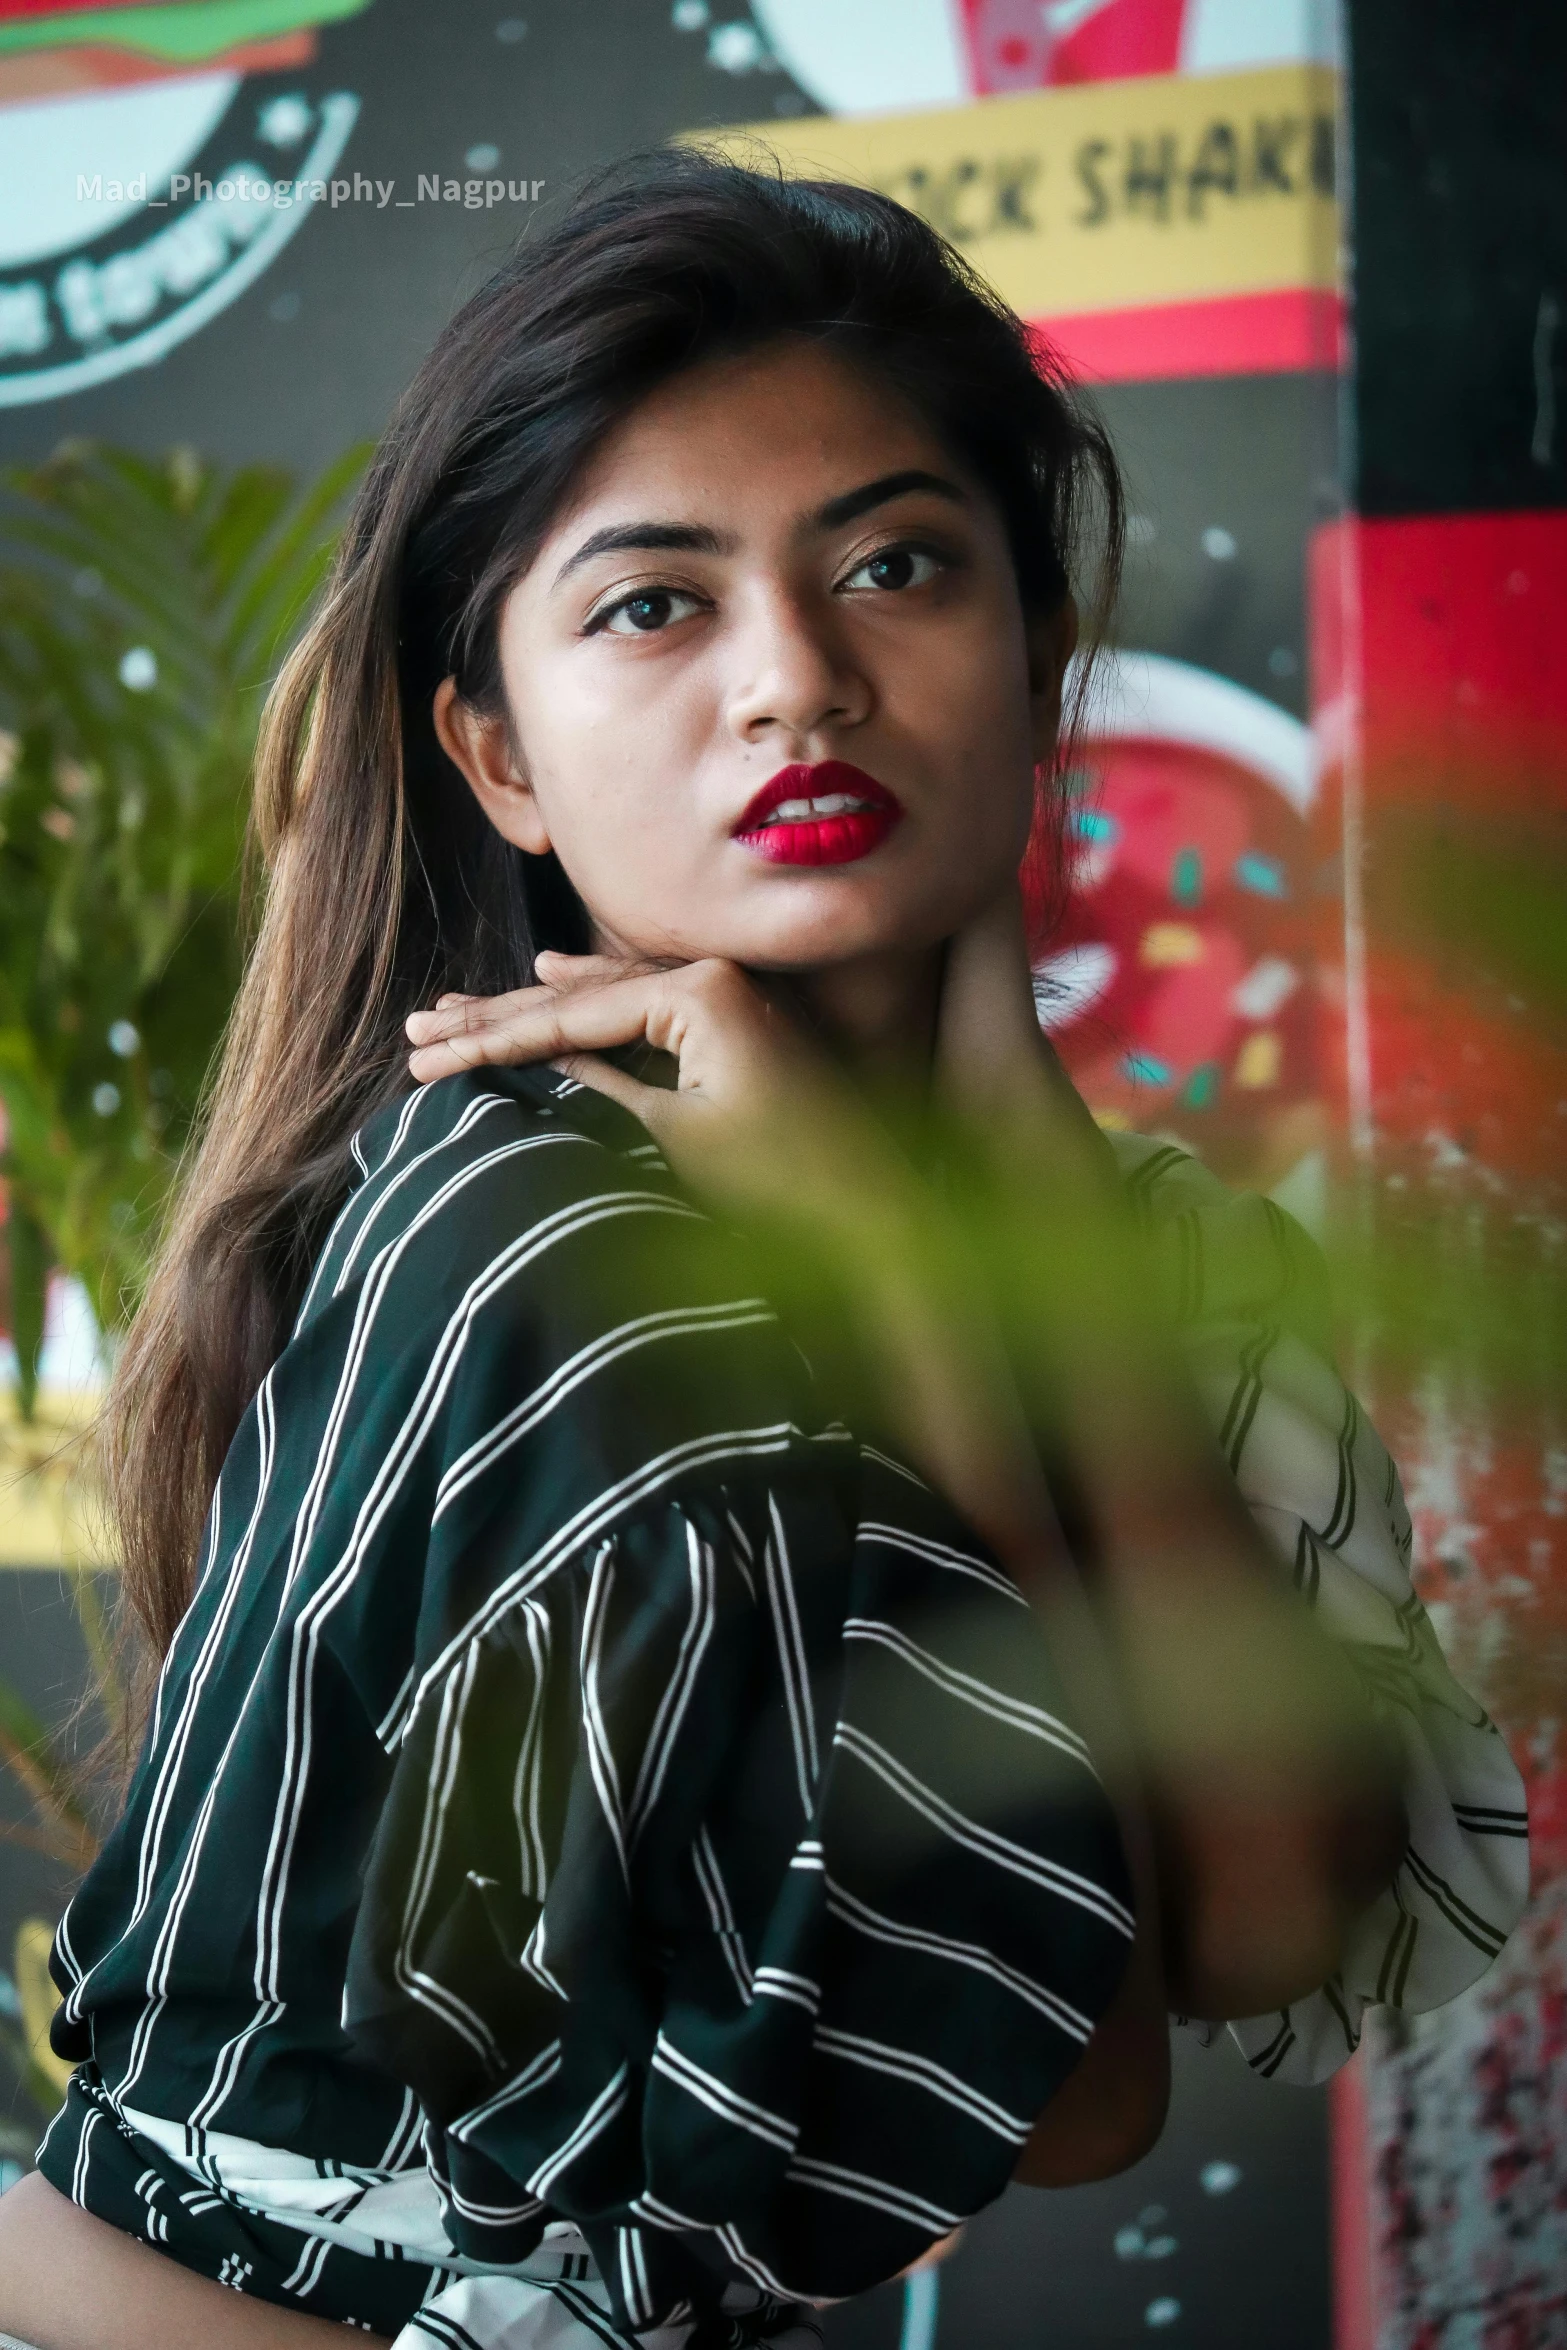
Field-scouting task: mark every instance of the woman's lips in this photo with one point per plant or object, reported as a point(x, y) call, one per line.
point(829, 814)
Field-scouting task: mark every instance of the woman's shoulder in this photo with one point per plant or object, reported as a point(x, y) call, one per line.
point(489, 1117)
point(454, 1174)
point(512, 1231)
point(1222, 1253)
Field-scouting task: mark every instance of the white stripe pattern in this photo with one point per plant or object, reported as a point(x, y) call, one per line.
point(742, 2113)
point(920, 2072)
point(1050, 1876)
point(1016, 1713)
point(693, 1835)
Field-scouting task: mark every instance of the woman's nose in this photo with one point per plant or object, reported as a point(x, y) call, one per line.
point(792, 673)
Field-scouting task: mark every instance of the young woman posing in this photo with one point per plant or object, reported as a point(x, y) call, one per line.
point(717, 1686)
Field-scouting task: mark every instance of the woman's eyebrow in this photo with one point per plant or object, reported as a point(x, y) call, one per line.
point(853, 503)
point(694, 538)
point(629, 538)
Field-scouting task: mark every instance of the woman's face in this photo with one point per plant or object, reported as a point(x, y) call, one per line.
point(772, 692)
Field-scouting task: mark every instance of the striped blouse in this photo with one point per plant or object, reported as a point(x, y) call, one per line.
point(609, 1843)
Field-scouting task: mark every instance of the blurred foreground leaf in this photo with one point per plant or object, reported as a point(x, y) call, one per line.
point(1482, 893)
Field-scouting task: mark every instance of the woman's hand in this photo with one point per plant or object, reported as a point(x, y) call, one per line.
point(757, 1119)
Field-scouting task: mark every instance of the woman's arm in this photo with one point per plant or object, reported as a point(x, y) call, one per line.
point(1110, 2111)
point(1272, 1797)
point(944, 1384)
point(1275, 1808)
point(776, 1139)
point(1029, 1309)
point(69, 2281)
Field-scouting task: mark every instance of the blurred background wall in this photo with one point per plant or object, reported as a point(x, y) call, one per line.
point(1438, 611)
point(1314, 274)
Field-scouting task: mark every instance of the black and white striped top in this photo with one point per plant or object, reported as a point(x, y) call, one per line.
point(604, 1820)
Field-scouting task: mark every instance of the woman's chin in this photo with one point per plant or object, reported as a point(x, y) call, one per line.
point(829, 925)
point(832, 949)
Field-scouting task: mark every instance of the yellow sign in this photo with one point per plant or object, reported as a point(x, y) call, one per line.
point(1174, 188)
point(49, 1512)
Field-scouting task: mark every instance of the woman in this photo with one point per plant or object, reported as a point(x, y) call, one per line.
point(716, 1686)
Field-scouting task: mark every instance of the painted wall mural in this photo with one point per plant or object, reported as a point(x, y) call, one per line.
point(898, 53)
point(220, 117)
point(1180, 988)
point(111, 114)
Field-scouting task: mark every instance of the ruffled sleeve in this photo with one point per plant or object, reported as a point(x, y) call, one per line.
point(1249, 1290)
point(743, 1894)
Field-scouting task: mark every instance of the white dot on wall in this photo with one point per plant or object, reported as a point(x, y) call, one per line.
point(1218, 544)
point(124, 1037)
point(106, 1099)
point(484, 157)
point(284, 309)
point(689, 16)
point(511, 28)
point(1162, 2312)
point(734, 48)
point(1282, 662)
point(283, 122)
point(1217, 2178)
point(139, 669)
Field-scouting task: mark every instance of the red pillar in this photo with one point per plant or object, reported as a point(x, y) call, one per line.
point(1440, 683)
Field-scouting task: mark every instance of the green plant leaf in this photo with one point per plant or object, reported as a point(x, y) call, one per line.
point(144, 604)
point(27, 1751)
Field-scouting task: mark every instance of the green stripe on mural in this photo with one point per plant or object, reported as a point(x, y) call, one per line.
point(184, 36)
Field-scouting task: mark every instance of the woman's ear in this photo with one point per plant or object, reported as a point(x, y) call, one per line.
point(481, 749)
point(1052, 640)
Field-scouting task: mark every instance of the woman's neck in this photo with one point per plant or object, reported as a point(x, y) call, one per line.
point(876, 1015)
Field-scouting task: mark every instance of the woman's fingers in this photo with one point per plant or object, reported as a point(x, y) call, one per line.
point(460, 1015)
point(454, 1015)
point(536, 1024)
point(457, 1017)
point(649, 1103)
point(567, 971)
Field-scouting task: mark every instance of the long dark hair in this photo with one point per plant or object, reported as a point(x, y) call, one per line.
point(385, 884)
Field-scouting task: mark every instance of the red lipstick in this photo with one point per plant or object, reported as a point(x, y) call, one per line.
point(829, 814)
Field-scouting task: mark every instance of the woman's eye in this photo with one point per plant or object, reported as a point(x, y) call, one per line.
point(646, 612)
point(896, 567)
